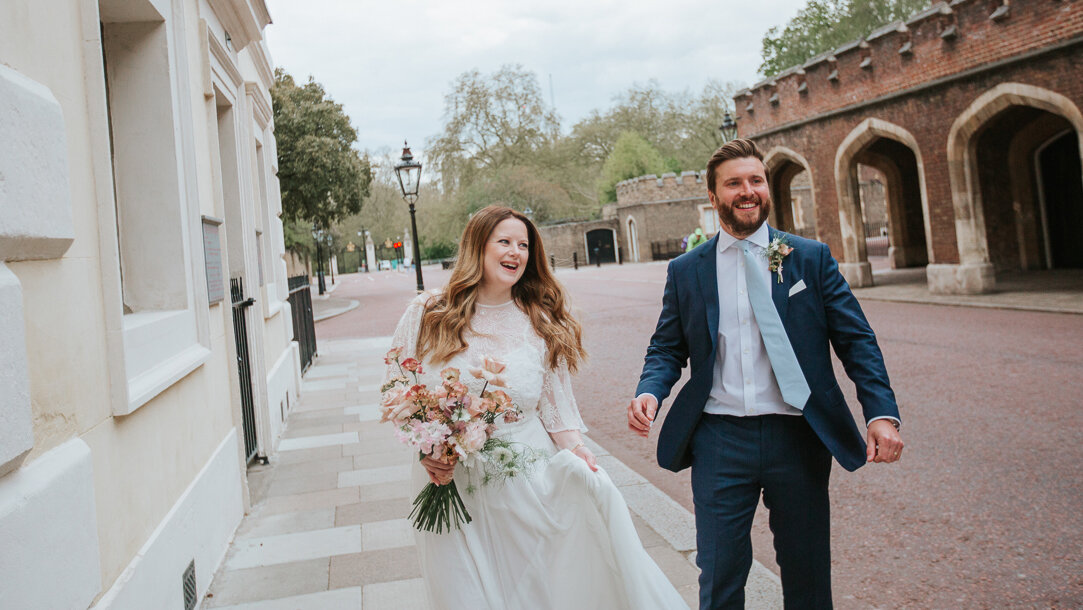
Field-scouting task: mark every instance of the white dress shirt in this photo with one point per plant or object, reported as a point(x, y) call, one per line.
point(744, 384)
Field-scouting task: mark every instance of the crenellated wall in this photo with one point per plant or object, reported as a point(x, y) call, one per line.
point(945, 40)
point(917, 100)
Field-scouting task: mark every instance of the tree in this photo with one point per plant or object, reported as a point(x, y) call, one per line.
point(632, 156)
point(321, 176)
point(824, 25)
point(491, 122)
point(683, 128)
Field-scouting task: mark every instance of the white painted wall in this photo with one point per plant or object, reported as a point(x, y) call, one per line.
point(198, 527)
point(119, 452)
point(48, 534)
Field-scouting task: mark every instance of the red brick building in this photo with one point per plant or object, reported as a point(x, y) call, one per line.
point(969, 109)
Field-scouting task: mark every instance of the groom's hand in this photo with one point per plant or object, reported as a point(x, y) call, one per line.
point(884, 443)
point(641, 412)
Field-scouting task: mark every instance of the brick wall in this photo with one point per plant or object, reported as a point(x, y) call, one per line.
point(563, 240)
point(1031, 25)
point(816, 122)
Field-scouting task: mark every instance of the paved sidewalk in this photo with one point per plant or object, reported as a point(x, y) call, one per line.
point(327, 528)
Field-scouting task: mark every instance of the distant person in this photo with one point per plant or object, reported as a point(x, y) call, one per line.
point(696, 238)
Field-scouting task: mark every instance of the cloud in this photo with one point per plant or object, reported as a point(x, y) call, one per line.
point(390, 63)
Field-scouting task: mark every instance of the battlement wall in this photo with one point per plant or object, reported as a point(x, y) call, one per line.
point(948, 38)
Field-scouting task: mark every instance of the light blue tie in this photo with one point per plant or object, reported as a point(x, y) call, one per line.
point(784, 363)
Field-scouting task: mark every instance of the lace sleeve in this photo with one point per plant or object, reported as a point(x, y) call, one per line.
point(406, 333)
point(557, 407)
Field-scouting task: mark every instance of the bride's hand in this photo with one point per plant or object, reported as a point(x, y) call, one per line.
point(582, 452)
point(439, 472)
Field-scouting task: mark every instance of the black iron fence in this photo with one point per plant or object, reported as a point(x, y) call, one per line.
point(666, 249)
point(876, 238)
point(244, 368)
point(304, 327)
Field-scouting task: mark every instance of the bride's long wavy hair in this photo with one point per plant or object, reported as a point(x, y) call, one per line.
point(537, 293)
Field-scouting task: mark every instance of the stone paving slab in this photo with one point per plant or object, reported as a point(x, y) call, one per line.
point(295, 546)
point(269, 582)
point(334, 599)
point(327, 528)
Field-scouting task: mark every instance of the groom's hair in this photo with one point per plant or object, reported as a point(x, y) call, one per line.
point(734, 149)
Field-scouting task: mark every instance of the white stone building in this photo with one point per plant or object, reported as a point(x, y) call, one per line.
point(137, 179)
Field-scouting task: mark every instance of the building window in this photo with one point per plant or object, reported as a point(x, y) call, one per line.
point(161, 342)
point(708, 219)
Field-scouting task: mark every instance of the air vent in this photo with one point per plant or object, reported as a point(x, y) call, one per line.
point(188, 582)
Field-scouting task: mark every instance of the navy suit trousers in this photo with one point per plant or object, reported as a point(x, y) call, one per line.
point(734, 459)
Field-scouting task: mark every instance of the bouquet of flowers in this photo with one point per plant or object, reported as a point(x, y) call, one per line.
point(450, 424)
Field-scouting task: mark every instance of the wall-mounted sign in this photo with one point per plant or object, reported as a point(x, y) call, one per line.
point(212, 256)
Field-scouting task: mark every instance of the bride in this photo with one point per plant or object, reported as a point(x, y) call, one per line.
point(560, 537)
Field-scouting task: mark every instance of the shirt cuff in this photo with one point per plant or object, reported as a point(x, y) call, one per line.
point(893, 419)
point(651, 395)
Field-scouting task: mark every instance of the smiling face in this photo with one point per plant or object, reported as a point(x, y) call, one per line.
point(506, 253)
point(741, 196)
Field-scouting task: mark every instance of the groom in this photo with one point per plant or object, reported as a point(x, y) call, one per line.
point(756, 311)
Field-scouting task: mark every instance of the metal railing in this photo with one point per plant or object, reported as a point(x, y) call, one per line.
point(304, 326)
point(244, 368)
point(876, 239)
point(666, 249)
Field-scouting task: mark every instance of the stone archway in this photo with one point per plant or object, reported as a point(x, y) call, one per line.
point(792, 212)
point(1020, 118)
point(895, 152)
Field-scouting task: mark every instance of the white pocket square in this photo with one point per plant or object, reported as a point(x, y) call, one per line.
point(798, 287)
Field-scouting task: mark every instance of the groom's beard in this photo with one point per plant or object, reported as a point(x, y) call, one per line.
point(729, 218)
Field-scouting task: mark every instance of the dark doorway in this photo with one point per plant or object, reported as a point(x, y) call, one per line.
point(1062, 192)
point(600, 247)
point(889, 184)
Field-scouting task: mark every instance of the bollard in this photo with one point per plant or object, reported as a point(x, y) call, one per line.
point(575, 260)
point(552, 262)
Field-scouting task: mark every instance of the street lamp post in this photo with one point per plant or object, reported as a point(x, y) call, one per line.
point(317, 236)
point(409, 173)
point(362, 254)
point(728, 127)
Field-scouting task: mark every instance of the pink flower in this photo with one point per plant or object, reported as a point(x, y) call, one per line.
point(510, 417)
point(398, 406)
point(490, 371)
point(456, 389)
point(471, 439)
point(501, 400)
point(484, 405)
point(412, 365)
point(429, 437)
point(392, 355)
point(450, 374)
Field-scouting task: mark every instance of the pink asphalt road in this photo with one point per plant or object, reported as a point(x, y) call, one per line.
point(983, 510)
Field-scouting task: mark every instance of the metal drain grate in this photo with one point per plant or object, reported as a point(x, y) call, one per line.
point(189, 584)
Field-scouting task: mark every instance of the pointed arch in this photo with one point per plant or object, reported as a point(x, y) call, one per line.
point(856, 266)
point(783, 165)
point(962, 157)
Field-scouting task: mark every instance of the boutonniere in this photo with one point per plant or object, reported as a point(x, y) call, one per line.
point(777, 250)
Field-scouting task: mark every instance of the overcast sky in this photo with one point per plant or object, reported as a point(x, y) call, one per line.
point(390, 63)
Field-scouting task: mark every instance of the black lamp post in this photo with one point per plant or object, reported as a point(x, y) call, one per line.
point(409, 173)
point(317, 236)
point(363, 254)
point(728, 128)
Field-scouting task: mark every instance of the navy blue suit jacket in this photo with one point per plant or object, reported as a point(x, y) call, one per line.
point(824, 314)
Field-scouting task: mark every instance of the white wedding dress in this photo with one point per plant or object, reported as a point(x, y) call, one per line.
point(558, 539)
